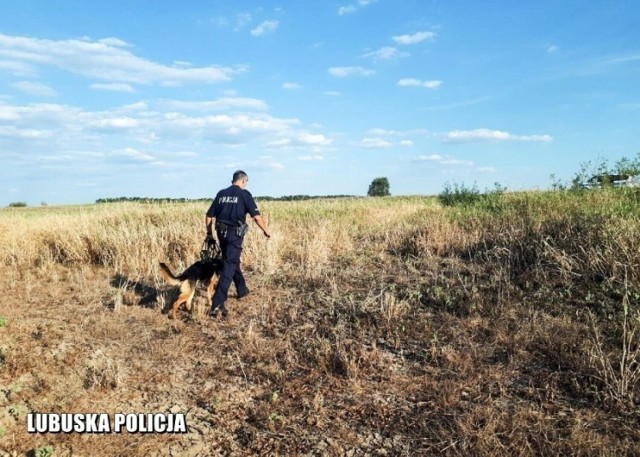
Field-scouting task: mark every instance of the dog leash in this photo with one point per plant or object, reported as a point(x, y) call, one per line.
point(210, 250)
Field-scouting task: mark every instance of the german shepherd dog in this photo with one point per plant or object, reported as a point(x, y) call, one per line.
point(206, 270)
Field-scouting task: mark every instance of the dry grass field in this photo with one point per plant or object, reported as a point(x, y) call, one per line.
point(375, 326)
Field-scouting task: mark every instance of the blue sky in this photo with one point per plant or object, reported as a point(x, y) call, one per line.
point(166, 99)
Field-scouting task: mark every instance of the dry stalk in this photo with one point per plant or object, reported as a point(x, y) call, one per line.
point(619, 378)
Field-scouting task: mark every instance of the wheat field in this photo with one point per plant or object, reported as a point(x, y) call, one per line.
point(375, 326)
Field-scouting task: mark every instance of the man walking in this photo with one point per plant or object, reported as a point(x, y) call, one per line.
point(229, 209)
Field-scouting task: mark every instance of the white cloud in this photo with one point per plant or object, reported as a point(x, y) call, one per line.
point(224, 125)
point(384, 132)
point(386, 53)
point(185, 154)
point(399, 137)
point(387, 132)
point(414, 38)
point(106, 60)
point(346, 10)
point(432, 157)
point(134, 154)
point(291, 86)
point(552, 48)
point(459, 136)
point(221, 104)
point(301, 140)
point(430, 84)
point(113, 87)
point(116, 123)
point(342, 72)
point(456, 162)
point(313, 157)
point(137, 106)
point(350, 9)
point(261, 164)
point(11, 131)
point(35, 88)
point(382, 143)
point(486, 170)
point(377, 142)
point(265, 28)
point(444, 160)
point(72, 156)
point(280, 143)
point(313, 139)
point(140, 124)
point(37, 115)
point(17, 68)
point(9, 113)
point(112, 41)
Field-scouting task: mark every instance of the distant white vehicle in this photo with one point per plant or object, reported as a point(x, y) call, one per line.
point(621, 180)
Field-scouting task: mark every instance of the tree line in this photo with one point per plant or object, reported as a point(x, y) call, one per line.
point(208, 199)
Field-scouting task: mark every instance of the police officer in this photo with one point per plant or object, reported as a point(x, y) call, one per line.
point(229, 209)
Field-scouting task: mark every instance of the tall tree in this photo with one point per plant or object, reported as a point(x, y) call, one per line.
point(379, 187)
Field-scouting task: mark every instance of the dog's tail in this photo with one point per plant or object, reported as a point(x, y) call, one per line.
point(168, 275)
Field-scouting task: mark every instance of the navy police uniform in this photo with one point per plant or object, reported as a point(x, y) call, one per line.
point(229, 209)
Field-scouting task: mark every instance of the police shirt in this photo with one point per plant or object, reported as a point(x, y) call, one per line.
point(231, 206)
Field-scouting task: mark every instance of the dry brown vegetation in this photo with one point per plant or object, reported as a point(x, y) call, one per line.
point(389, 326)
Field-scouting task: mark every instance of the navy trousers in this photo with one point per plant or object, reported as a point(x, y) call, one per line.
point(231, 247)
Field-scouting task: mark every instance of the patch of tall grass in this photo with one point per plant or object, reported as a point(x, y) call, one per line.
point(579, 235)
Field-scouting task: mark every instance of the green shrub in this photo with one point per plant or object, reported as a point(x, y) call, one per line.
point(379, 187)
point(459, 194)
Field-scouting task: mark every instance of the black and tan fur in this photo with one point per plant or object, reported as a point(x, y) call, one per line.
point(204, 271)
